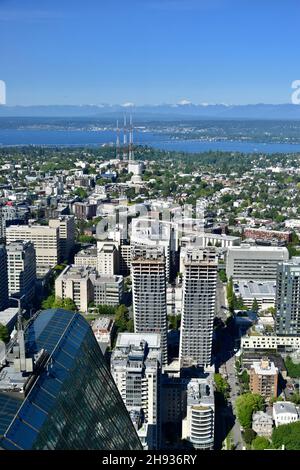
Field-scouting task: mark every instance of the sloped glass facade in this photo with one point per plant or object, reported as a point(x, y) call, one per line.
point(74, 402)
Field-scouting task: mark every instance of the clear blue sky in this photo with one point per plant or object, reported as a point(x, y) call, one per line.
point(149, 51)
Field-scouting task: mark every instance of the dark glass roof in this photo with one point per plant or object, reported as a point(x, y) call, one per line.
point(60, 333)
point(8, 408)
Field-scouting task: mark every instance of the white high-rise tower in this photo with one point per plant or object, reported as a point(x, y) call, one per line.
point(198, 307)
point(148, 270)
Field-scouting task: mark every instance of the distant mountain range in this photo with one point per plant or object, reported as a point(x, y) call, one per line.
point(184, 109)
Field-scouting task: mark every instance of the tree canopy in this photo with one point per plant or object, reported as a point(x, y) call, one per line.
point(57, 302)
point(246, 405)
point(293, 369)
point(260, 443)
point(287, 435)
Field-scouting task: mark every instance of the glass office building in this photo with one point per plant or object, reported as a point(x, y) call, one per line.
point(69, 400)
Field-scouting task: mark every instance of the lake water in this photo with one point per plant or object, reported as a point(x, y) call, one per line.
point(15, 137)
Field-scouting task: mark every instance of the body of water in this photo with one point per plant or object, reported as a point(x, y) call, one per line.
point(14, 137)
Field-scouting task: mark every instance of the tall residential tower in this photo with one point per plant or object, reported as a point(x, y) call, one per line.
point(148, 271)
point(198, 307)
point(288, 298)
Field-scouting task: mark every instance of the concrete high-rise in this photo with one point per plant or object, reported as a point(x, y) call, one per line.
point(264, 378)
point(75, 283)
point(3, 279)
point(107, 258)
point(45, 240)
point(254, 262)
point(66, 226)
point(288, 298)
point(21, 270)
point(198, 307)
point(148, 271)
point(136, 369)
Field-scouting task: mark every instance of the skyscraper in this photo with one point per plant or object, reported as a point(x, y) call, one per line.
point(66, 226)
point(3, 279)
point(288, 298)
point(148, 270)
point(63, 396)
point(45, 240)
point(198, 307)
point(135, 367)
point(21, 270)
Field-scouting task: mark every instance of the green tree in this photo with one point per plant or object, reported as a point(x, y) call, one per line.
point(230, 295)
point(69, 304)
point(287, 435)
point(255, 306)
point(4, 334)
point(245, 379)
point(222, 389)
point(249, 435)
point(58, 302)
point(238, 302)
point(246, 405)
point(260, 443)
point(87, 239)
point(222, 385)
point(295, 398)
point(222, 275)
point(174, 321)
point(81, 193)
point(48, 302)
point(106, 310)
point(122, 320)
point(66, 304)
point(130, 326)
point(293, 369)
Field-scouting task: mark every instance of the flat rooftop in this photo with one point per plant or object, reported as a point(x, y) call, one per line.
point(125, 340)
point(8, 314)
point(102, 323)
point(258, 289)
point(258, 248)
point(77, 272)
point(200, 391)
point(269, 370)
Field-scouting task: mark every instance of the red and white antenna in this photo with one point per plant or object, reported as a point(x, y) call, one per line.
point(125, 150)
point(118, 142)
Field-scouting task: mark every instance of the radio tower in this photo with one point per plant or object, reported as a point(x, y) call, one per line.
point(131, 156)
point(125, 155)
point(118, 142)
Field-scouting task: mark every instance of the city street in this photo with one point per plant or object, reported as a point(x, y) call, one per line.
point(234, 389)
point(225, 361)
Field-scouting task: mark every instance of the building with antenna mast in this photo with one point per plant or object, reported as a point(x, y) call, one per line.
point(134, 167)
point(131, 156)
point(118, 142)
point(125, 146)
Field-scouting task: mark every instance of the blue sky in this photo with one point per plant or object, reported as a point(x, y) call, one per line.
point(149, 51)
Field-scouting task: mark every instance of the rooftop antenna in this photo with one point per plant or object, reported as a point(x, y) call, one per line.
point(131, 157)
point(21, 364)
point(118, 141)
point(125, 140)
